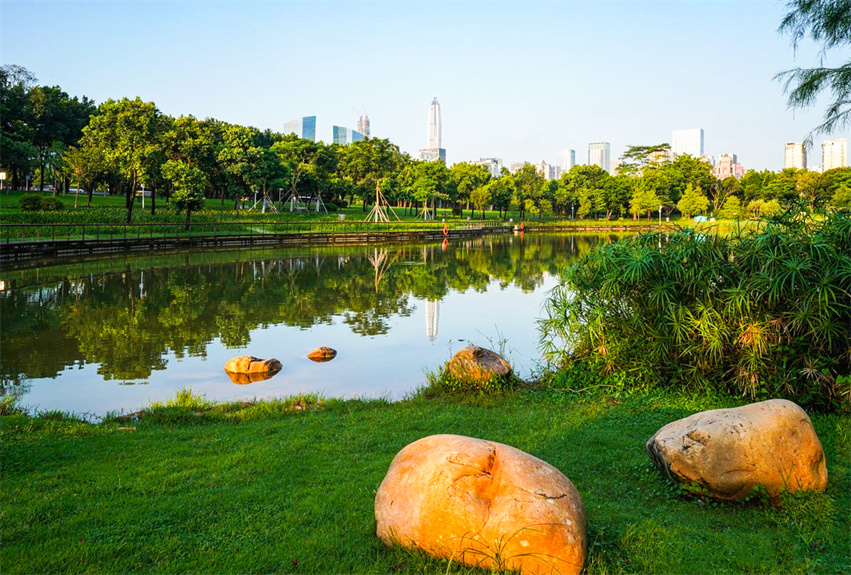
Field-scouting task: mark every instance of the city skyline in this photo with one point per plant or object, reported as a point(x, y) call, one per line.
point(225, 61)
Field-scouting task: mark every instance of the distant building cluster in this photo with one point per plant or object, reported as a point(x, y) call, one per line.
point(689, 141)
point(305, 127)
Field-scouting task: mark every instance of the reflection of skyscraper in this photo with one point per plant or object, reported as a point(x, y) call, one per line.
point(302, 127)
point(432, 319)
point(435, 135)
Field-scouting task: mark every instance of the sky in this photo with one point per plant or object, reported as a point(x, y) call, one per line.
point(515, 80)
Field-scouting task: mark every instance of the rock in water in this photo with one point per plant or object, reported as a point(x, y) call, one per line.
point(249, 364)
point(482, 503)
point(730, 451)
point(476, 364)
point(321, 354)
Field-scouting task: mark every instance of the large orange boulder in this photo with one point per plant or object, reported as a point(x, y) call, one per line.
point(249, 364)
point(730, 451)
point(476, 364)
point(484, 504)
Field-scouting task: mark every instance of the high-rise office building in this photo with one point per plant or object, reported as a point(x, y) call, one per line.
point(494, 165)
point(345, 136)
point(687, 142)
point(795, 156)
point(834, 154)
point(363, 125)
point(304, 127)
point(566, 159)
point(434, 151)
point(599, 154)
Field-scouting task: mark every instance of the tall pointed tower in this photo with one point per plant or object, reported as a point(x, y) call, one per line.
point(434, 132)
point(434, 151)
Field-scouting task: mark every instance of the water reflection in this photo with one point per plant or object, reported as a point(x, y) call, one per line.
point(130, 317)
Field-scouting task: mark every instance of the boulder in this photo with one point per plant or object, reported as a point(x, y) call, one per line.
point(730, 451)
point(246, 378)
point(484, 504)
point(321, 354)
point(249, 364)
point(476, 364)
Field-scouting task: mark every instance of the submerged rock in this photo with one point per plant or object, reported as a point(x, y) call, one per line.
point(484, 504)
point(730, 451)
point(476, 364)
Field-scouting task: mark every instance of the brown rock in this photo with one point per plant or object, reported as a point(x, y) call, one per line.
point(484, 504)
point(321, 354)
point(249, 364)
point(730, 451)
point(477, 364)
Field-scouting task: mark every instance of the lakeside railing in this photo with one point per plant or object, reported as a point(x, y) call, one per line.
point(57, 232)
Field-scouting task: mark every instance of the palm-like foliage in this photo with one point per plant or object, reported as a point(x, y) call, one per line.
point(761, 312)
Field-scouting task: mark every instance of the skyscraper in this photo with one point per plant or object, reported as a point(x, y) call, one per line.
point(687, 142)
point(834, 154)
point(304, 127)
point(566, 159)
point(363, 125)
point(434, 150)
point(795, 156)
point(599, 154)
point(345, 136)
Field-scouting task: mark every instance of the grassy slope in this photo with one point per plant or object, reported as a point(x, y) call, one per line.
point(250, 490)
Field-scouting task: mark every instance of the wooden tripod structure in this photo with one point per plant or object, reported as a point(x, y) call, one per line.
point(378, 213)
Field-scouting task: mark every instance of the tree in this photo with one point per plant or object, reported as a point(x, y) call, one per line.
point(731, 209)
point(56, 118)
point(466, 179)
point(692, 202)
point(188, 187)
point(644, 199)
point(481, 198)
point(127, 134)
point(841, 199)
point(17, 150)
point(637, 158)
point(829, 23)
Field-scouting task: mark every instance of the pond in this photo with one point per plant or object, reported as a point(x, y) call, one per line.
point(114, 335)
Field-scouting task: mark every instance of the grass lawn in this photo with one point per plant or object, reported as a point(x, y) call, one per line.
point(289, 486)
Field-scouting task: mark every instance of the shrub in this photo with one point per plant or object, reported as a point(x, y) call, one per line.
point(762, 313)
point(331, 207)
point(52, 204)
point(31, 203)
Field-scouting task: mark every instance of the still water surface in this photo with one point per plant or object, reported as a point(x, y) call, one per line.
point(118, 334)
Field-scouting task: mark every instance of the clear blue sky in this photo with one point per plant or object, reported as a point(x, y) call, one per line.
point(516, 80)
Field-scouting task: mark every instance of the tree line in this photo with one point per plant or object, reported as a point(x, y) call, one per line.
point(124, 145)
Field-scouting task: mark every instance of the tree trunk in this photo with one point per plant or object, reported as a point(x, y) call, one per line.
point(153, 200)
point(131, 198)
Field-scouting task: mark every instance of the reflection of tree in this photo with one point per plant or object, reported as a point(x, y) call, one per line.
point(127, 321)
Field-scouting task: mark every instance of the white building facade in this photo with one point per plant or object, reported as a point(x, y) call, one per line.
point(795, 156)
point(600, 154)
point(834, 154)
point(687, 142)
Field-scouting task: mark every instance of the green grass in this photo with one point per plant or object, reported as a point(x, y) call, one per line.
point(289, 486)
